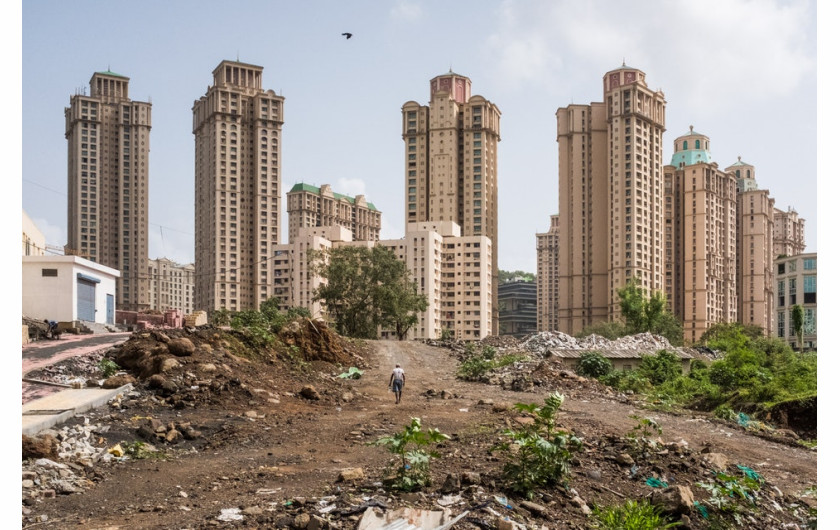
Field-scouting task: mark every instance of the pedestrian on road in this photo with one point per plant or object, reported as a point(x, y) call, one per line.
point(396, 383)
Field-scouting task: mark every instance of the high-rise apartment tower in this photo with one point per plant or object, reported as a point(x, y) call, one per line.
point(610, 224)
point(451, 162)
point(755, 249)
point(788, 233)
point(237, 127)
point(108, 183)
point(700, 237)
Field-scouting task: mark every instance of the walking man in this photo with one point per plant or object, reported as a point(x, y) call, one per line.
point(397, 382)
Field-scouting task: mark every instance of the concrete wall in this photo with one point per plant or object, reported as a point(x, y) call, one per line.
point(54, 297)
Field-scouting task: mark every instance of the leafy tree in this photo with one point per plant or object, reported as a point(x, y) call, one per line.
point(664, 366)
point(648, 314)
point(797, 316)
point(720, 334)
point(367, 288)
point(608, 330)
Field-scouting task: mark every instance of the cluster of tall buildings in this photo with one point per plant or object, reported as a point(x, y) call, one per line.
point(707, 237)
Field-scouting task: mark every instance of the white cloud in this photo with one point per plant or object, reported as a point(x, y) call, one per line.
point(406, 10)
point(350, 186)
point(705, 47)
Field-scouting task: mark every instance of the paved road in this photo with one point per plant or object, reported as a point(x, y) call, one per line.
point(38, 355)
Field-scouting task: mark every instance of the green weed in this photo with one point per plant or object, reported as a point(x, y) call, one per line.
point(631, 515)
point(408, 445)
point(539, 454)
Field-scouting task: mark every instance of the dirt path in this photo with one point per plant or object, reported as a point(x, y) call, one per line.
point(297, 448)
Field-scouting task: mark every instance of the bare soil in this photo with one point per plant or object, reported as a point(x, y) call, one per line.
point(276, 455)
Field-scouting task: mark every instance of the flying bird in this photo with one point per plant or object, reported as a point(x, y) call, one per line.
point(347, 35)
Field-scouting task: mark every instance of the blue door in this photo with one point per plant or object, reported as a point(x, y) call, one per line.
point(85, 300)
point(109, 309)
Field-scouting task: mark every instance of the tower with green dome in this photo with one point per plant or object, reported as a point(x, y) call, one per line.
point(700, 202)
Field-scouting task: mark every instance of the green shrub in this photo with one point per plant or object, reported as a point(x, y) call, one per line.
point(664, 366)
point(632, 515)
point(413, 467)
point(543, 452)
point(593, 364)
point(635, 382)
point(477, 365)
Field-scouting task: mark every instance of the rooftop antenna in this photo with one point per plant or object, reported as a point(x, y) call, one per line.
point(237, 55)
point(623, 63)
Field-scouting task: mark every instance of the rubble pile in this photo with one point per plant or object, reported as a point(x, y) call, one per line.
point(556, 340)
point(61, 461)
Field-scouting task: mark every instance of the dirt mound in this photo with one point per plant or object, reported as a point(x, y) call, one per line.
point(317, 342)
point(800, 416)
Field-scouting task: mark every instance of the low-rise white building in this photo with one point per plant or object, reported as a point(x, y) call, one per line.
point(68, 289)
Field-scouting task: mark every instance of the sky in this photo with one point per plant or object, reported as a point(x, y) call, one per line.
point(742, 72)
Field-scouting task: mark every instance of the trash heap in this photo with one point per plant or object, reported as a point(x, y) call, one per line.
point(556, 340)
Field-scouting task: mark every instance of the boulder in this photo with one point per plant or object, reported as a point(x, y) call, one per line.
point(117, 381)
point(181, 347)
point(349, 475)
point(309, 392)
point(716, 461)
point(43, 446)
point(451, 484)
point(676, 500)
point(167, 363)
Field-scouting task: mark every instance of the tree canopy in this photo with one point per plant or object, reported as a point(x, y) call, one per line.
point(367, 289)
point(643, 313)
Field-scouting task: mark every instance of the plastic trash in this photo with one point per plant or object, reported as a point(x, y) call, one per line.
point(230, 514)
point(751, 473)
point(702, 509)
point(656, 483)
point(503, 501)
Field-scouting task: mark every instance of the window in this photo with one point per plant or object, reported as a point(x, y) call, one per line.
point(809, 289)
point(792, 291)
point(781, 324)
point(809, 264)
point(781, 293)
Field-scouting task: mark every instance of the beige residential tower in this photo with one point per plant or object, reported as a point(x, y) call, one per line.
point(610, 224)
point(237, 127)
point(108, 183)
point(451, 162)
